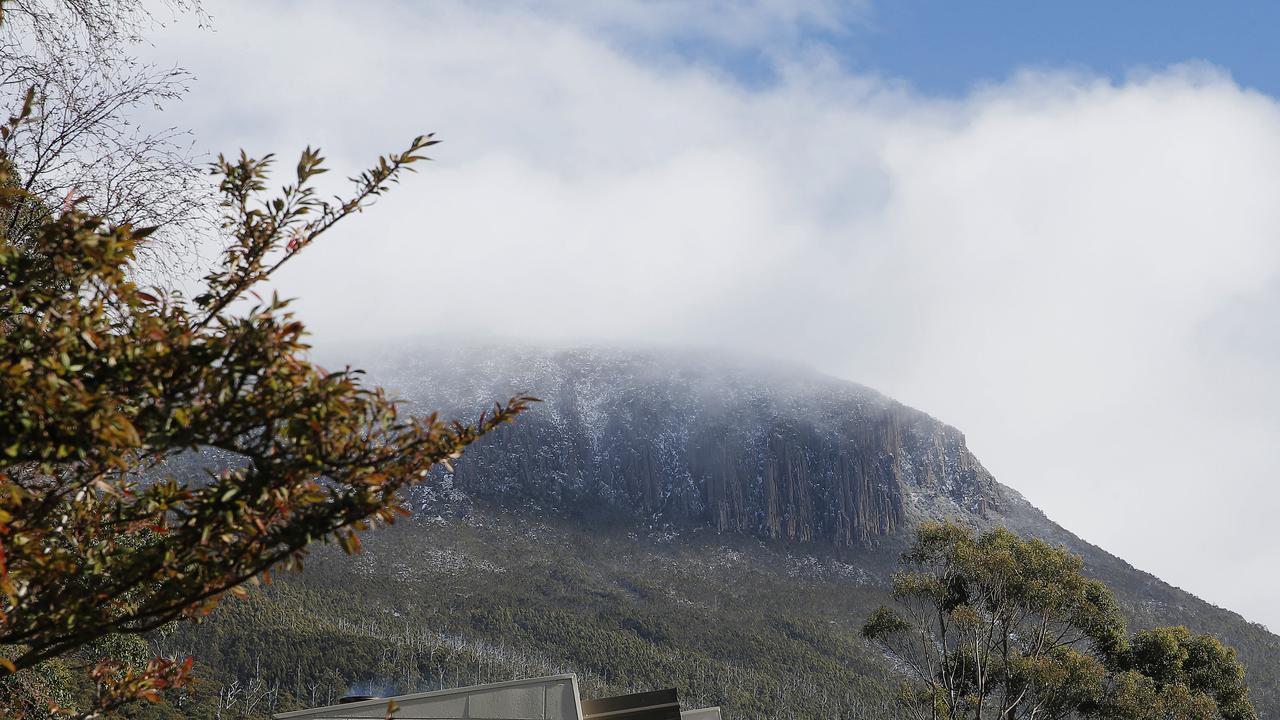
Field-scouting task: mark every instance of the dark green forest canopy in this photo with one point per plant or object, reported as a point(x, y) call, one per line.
point(488, 595)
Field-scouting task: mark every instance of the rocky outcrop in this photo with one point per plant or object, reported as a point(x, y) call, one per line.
point(675, 440)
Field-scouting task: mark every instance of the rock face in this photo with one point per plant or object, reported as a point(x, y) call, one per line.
point(678, 439)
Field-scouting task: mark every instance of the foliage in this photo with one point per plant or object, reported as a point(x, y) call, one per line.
point(455, 597)
point(1004, 627)
point(102, 383)
point(1170, 672)
point(487, 597)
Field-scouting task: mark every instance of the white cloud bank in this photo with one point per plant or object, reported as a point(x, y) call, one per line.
point(1083, 276)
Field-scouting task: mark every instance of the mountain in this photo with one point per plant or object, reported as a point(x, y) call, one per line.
point(660, 518)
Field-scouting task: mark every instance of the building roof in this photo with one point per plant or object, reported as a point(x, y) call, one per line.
point(653, 705)
point(554, 697)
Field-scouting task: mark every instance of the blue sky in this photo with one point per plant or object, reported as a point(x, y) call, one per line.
point(944, 47)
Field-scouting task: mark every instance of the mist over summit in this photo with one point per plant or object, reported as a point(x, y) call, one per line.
point(679, 437)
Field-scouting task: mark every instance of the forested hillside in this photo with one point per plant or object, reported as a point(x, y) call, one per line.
point(490, 597)
point(656, 521)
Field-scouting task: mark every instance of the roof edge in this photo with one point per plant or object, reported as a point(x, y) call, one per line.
point(429, 694)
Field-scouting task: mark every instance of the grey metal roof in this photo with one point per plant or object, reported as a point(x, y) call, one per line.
point(554, 697)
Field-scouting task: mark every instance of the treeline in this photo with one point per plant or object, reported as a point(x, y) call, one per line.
point(521, 612)
point(762, 630)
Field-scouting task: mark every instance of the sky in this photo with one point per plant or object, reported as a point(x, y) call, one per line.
point(1055, 228)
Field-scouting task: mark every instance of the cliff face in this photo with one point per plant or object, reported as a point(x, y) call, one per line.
point(767, 451)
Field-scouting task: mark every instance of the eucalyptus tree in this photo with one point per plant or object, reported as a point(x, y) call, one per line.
point(998, 626)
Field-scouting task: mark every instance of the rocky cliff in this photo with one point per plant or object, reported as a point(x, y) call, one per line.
point(676, 439)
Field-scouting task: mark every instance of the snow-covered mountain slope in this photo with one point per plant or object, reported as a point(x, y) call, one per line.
point(777, 452)
point(679, 441)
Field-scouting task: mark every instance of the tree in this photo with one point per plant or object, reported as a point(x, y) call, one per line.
point(1172, 673)
point(81, 140)
point(104, 385)
point(997, 626)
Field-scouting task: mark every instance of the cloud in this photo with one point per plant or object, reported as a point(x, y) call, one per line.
point(751, 24)
point(1080, 274)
